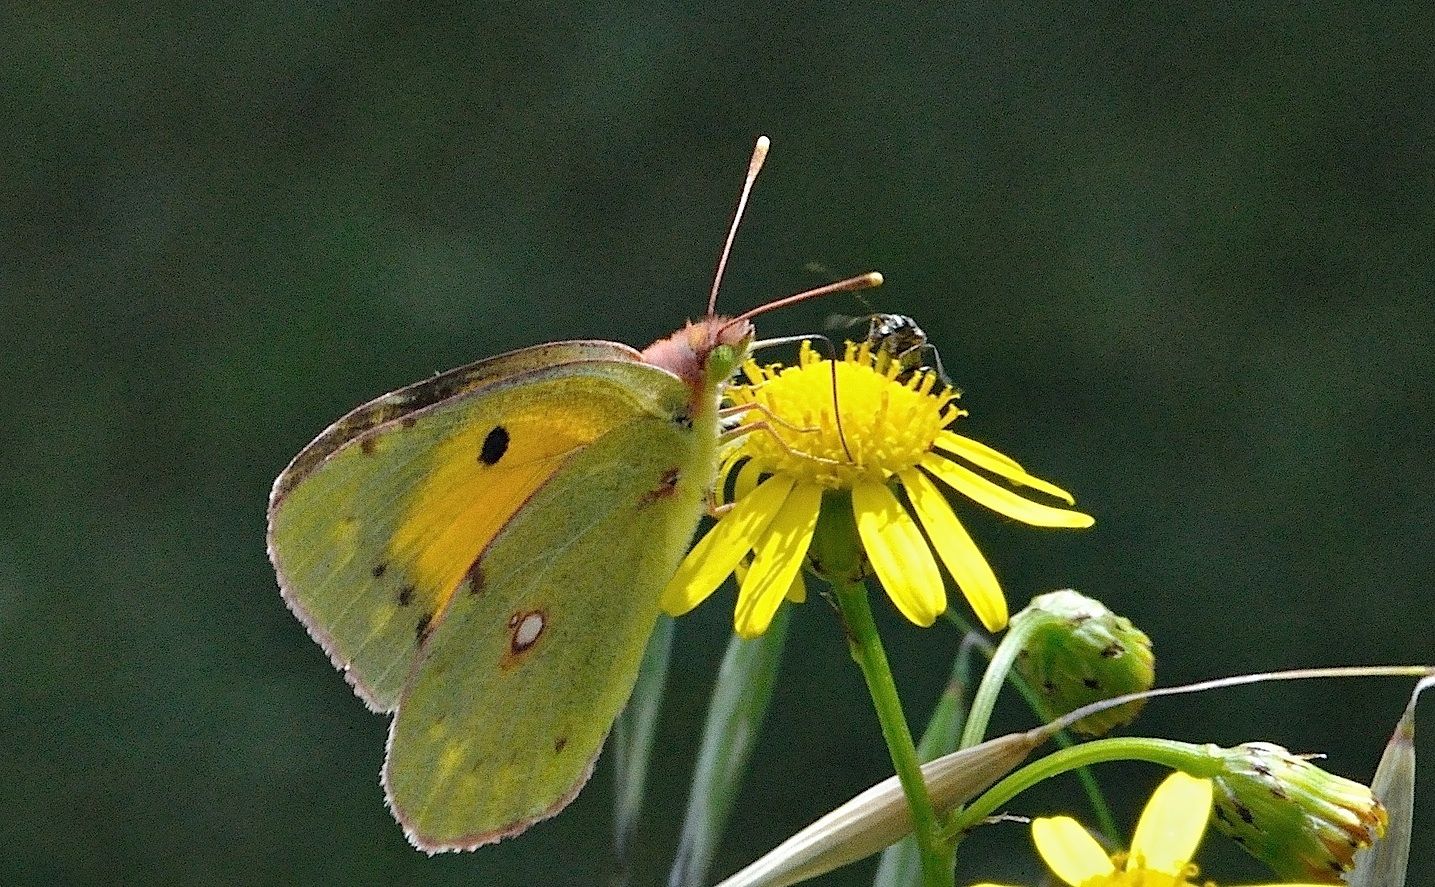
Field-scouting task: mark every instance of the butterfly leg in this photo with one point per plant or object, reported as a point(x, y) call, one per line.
point(715, 508)
point(831, 362)
point(764, 425)
point(733, 429)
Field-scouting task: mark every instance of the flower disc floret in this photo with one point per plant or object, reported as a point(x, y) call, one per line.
point(878, 427)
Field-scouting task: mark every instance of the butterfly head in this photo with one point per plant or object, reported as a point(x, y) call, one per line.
point(703, 354)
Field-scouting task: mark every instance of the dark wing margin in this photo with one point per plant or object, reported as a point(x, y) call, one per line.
point(411, 399)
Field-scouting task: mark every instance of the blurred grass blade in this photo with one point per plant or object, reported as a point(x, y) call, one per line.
point(901, 864)
point(880, 816)
point(632, 742)
point(735, 712)
point(1384, 863)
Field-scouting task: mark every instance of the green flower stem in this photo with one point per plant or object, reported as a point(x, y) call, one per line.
point(1177, 755)
point(938, 854)
point(985, 699)
point(986, 696)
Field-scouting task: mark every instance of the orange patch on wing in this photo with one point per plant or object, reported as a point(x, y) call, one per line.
point(464, 501)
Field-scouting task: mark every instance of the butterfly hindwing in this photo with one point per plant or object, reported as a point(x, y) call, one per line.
point(538, 651)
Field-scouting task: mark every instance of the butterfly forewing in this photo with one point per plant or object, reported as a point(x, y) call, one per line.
point(373, 525)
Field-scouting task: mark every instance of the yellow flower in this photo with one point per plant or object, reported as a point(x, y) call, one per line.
point(1166, 838)
point(890, 430)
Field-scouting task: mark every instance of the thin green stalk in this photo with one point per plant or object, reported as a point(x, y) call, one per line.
point(985, 700)
point(901, 864)
point(736, 710)
point(632, 744)
point(938, 854)
point(1167, 752)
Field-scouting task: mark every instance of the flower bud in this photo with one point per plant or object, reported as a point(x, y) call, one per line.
point(1303, 822)
point(1077, 652)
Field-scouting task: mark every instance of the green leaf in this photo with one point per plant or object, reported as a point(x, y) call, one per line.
point(1384, 863)
point(740, 700)
point(633, 743)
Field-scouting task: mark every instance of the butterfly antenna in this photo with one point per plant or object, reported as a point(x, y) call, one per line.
point(754, 166)
point(851, 284)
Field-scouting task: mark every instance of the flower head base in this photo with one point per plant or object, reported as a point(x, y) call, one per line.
point(1076, 652)
point(1167, 835)
point(1295, 817)
point(856, 431)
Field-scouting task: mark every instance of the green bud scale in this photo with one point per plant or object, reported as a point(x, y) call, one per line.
point(1076, 652)
point(1303, 822)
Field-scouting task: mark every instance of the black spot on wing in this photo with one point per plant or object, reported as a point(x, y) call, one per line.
point(494, 446)
point(380, 569)
point(367, 446)
point(421, 631)
point(559, 744)
point(406, 595)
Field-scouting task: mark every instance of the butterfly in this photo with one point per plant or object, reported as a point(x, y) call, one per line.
point(481, 554)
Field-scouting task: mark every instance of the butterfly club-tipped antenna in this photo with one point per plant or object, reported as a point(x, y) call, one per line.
point(686, 352)
point(754, 166)
point(851, 284)
point(740, 327)
point(743, 321)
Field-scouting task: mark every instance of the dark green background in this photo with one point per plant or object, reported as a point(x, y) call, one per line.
point(1179, 259)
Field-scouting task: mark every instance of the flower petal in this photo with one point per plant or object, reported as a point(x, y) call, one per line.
point(719, 488)
point(777, 559)
point(983, 456)
point(974, 450)
point(998, 499)
point(1172, 824)
point(956, 549)
point(1069, 850)
point(747, 477)
point(899, 555)
point(713, 558)
point(797, 591)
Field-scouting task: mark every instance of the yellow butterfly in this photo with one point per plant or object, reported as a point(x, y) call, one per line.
point(481, 553)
